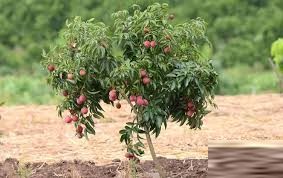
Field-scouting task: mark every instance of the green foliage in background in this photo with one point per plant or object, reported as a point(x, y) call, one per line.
point(241, 32)
point(28, 26)
point(277, 53)
point(253, 82)
point(25, 90)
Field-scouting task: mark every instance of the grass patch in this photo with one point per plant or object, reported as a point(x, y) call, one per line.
point(244, 80)
point(23, 171)
point(26, 89)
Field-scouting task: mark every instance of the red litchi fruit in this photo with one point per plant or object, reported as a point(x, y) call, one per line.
point(167, 49)
point(75, 118)
point(82, 72)
point(118, 105)
point(112, 95)
point(140, 101)
point(65, 93)
point(84, 110)
point(146, 80)
point(82, 98)
point(145, 102)
point(51, 68)
point(113, 98)
point(79, 129)
point(133, 98)
point(146, 44)
point(190, 104)
point(68, 119)
point(79, 102)
point(139, 97)
point(143, 73)
point(129, 155)
point(153, 44)
point(80, 135)
point(190, 113)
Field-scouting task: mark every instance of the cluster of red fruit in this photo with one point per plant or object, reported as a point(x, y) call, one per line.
point(191, 109)
point(113, 97)
point(152, 44)
point(70, 76)
point(148, 44)
point(74, 118)
point(139, 100)
point(144, 76)
point(80, 101)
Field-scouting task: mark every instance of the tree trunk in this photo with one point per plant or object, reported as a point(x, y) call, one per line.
point(161, 172)
point(153, 155)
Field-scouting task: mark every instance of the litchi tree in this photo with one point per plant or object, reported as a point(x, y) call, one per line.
point(154, 65)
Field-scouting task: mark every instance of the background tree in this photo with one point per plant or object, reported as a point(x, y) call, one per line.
point(277, 55)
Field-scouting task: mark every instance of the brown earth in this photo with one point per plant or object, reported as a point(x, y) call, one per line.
point(36, 134)
point(77, 169)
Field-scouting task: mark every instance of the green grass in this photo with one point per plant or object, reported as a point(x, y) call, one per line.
point(244, 80)
point(25, 89)
point(23, 171)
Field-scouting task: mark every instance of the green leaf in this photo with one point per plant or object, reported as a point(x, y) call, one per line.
point(86, 134)
point(122, 131)
point(89, 128)
point(158, 123)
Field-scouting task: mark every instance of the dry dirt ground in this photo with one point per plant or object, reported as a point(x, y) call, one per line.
point(36, 134)
point(187, 168)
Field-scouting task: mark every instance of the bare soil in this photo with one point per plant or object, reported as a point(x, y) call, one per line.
point(35, 134)
point(174, 168)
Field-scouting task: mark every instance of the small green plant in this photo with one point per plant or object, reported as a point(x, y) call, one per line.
point(131, 171)
point(1, 104)
point(23, 171)
point(277, 55)
point(156, 68)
